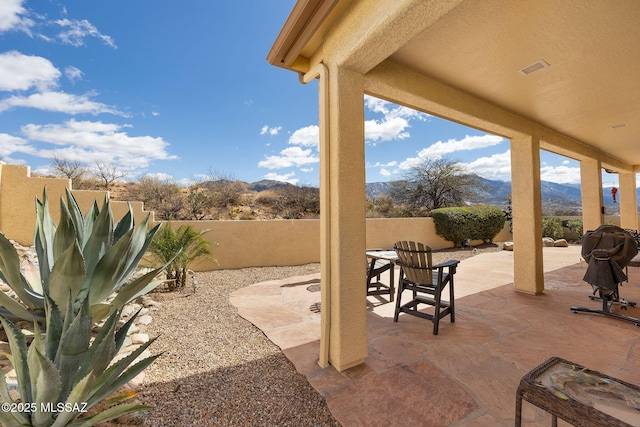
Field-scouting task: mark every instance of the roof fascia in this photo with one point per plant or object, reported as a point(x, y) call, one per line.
point(301, 25)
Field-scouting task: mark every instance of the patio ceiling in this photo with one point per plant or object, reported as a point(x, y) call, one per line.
point(588, 87)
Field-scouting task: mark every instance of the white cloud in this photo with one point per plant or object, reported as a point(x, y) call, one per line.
point(438, 149)
point(88, 142)
point(161, 177)
point(560, 174)
point(306, 137)
point(22, 72)
point(497, 166)
point(75, 31)
point(384, 172)
point(10, 144)
point(386, 130)
point(73, 74)
point(391, 110)
point(394, 123)
point(291, 156)
point(59, 102)
point(282, 178)
point(13, 17)
point(266, 130)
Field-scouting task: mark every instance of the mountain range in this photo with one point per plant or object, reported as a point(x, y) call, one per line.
point(557, 198)
point(493, 192)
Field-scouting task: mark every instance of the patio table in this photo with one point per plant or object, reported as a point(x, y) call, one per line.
point(579, 396)
point(380, 287)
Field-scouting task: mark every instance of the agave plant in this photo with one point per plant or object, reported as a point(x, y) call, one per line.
point(62, 374)
point(83, 257)
point(83, 262)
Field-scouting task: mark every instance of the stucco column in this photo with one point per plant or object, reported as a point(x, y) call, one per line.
point(628, 200)
point(591, 188)
point(528, 273)
point(343, 219)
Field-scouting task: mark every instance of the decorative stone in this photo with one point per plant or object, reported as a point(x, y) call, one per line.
point(145, 320)
point(507, 246)
point(139, 338)
point(561, 243)
point(129, 310)
point(547, 242)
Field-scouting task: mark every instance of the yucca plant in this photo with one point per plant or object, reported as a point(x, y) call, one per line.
point(82, 263)
point(177, 249)
point(82, 255)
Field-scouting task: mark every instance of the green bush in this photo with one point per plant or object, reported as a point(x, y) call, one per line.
point(575, 227)
point(458, 224)
point(552, 227)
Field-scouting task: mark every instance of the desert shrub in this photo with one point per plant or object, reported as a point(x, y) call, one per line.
point(457, 224)
point(225, 192)
point(198, 202)
point(552, 227)
point(267, 198)
point(161, 195)
point(575, 227)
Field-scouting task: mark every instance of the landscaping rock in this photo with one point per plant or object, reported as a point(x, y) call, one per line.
point(547, 242)
point(507, 246)
point(561, 243)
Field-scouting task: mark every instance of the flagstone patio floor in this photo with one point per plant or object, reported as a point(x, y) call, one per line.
point(468, 374)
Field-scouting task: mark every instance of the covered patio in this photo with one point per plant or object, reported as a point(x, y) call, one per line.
point(548, 75)
point(468, 374)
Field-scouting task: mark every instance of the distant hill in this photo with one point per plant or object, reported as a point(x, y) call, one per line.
point(495, 193)
point(266, 184)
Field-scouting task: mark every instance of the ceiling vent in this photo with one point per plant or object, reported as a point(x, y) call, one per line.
point(538, 65)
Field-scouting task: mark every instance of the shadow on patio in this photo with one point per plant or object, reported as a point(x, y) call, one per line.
point(468, 374)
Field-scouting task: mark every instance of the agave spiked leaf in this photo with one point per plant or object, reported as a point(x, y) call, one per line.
point(67, 275)
point(76, 216)
point(18, 358)
point(43, 236)
point(10, 274)
point(100, 237)
point(74, 346)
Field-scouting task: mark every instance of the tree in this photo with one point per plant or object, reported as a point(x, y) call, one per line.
point(69, 169)
point(161, 195)
point(107, 173)
point(434, 184)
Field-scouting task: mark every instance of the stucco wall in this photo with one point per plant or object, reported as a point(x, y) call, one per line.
point(241, 243)
point(18, 192)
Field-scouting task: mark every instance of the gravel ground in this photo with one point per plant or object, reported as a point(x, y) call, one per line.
point(217, 369)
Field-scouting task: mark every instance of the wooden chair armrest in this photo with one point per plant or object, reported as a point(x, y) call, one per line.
point(450, 263)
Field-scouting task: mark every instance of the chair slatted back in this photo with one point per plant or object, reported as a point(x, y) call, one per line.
point(415, 260)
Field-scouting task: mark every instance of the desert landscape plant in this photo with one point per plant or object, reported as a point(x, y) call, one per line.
point(85, 265)
point(82, 255)
point(177, 249)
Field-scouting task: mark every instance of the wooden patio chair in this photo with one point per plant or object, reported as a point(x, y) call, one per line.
point(375, 267)
point(426, 281)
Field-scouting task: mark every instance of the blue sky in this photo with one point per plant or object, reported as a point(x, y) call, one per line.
point(183, 89)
